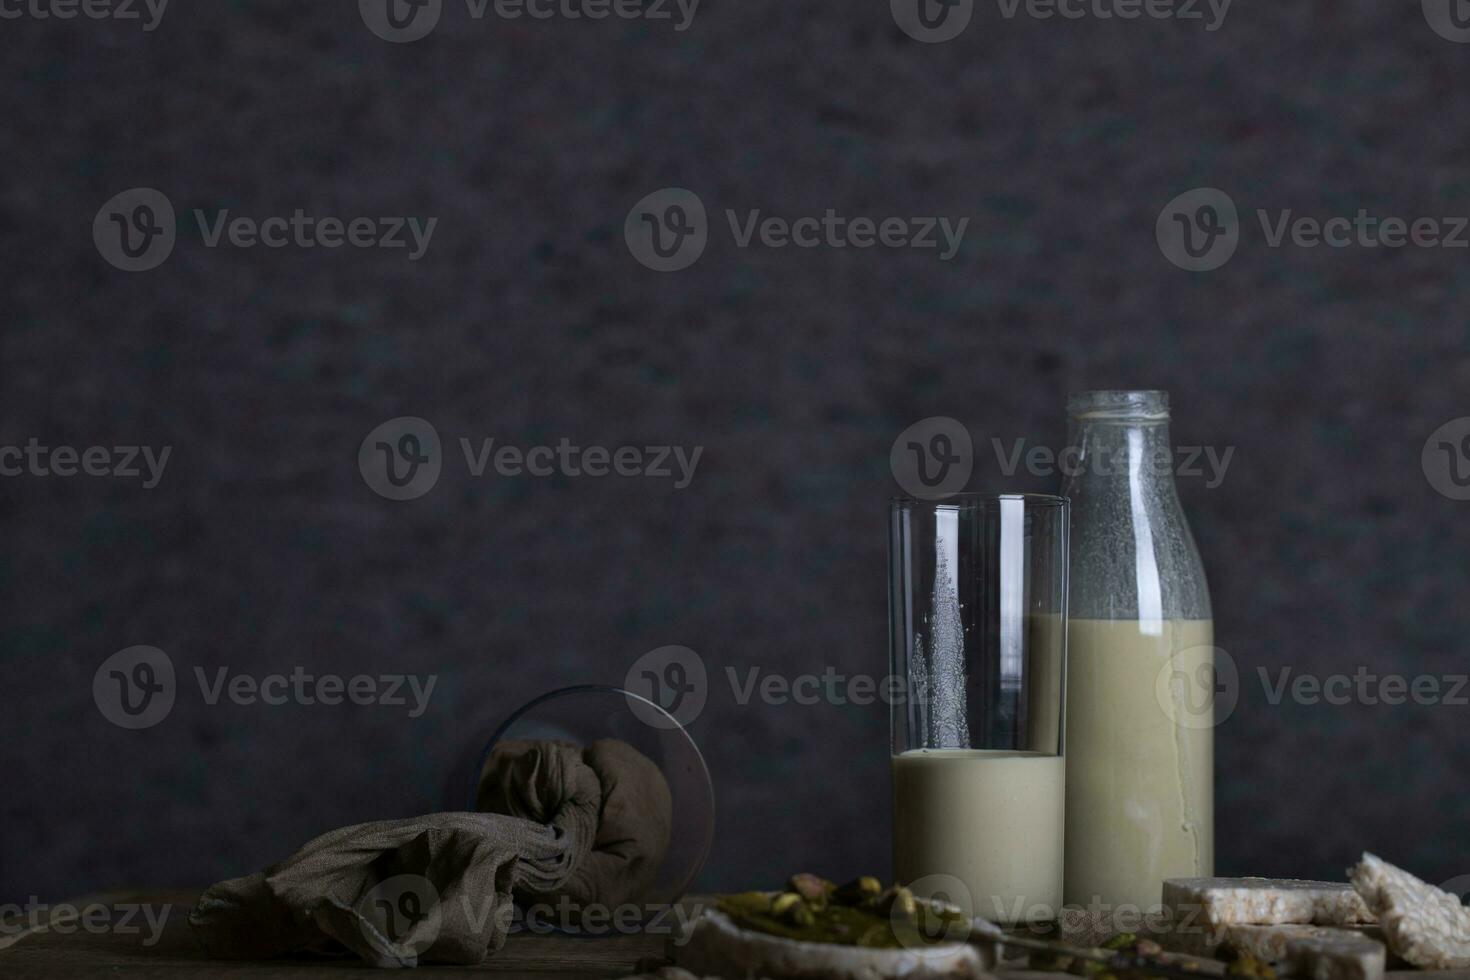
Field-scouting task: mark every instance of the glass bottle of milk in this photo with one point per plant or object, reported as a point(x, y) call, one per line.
point(1139, 725)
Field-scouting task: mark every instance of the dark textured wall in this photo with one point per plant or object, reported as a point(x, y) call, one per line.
point(528, 320)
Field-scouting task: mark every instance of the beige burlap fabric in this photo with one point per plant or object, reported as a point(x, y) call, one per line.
point(588, 824)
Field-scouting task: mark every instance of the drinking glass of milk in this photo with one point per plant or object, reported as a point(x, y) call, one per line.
point(977, 622)
point(1140, 681)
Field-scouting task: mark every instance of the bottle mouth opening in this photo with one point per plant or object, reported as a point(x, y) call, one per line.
point(1141, 406)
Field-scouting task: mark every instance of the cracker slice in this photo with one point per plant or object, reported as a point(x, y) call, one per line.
point(1421, 923)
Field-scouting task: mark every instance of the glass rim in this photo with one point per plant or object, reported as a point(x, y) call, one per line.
point(1103, 404)
point(972, 498)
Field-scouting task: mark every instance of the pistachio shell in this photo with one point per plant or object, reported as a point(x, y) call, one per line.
point(785, 902)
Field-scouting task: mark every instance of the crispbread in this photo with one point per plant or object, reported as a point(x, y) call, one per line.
point(1319, 952)
point(1316, 952)
point(1425, 925)
point(1214, 902)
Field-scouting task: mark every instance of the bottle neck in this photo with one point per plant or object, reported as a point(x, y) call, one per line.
point(1133, 556)
point(1133, 451)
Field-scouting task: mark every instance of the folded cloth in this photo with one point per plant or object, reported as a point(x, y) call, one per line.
point(588, 825)
point(609, 794)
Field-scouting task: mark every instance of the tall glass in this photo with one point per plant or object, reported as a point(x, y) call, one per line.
point(977, 615)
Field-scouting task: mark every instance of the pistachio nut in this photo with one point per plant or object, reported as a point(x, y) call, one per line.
point(785, 902)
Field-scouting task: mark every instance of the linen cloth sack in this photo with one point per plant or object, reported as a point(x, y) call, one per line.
point(581, 826)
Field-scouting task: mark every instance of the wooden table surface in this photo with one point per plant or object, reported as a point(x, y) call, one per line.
point(115, 950)
point(176, 954)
